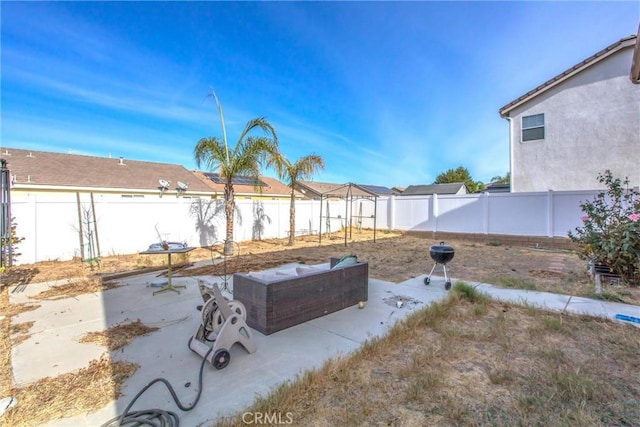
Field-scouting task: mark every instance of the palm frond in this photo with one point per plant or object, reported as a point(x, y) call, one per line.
point(309, 165)
point(261, 123)
point(224, 128)
point(210, 152)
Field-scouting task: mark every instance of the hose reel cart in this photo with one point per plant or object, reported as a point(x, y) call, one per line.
point(223, 323)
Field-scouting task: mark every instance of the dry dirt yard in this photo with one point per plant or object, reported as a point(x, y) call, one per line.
point(393, 257)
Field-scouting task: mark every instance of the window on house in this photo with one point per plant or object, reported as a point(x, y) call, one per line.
point(533, 127)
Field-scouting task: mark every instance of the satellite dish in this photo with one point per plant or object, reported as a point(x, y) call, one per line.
point(164, 184)
point(182, 186)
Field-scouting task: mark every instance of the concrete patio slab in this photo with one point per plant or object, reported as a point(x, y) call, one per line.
point(53, 348)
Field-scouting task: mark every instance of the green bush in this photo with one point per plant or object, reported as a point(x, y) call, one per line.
point(9, 246)
point(610, 234)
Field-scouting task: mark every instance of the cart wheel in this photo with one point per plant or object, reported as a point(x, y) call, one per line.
point(427, 280)
point(221, 359)
point(447, 285)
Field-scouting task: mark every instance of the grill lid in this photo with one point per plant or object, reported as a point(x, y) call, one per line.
point(441, 253)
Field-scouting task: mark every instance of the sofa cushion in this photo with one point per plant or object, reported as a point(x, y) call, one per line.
point(346, 261)
point(287, 272)
point(265, 276)
point(308, 270)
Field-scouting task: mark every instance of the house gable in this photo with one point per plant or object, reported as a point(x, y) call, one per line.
point(584, 121)
point(592, 60)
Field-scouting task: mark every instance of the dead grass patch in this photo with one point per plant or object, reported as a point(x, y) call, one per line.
point(11, 310)
point(20, 332)
point(21, 328)
point(70, 394)
point(5, 344)
point(451, 364)
point(118, 336)
point(75, 288)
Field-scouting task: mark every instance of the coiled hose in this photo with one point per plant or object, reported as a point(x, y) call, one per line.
point(156, 417)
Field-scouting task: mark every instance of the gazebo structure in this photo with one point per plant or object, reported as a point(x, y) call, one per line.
point(350, 193)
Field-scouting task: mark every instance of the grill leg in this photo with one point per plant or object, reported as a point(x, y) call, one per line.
point(447, 282)
point(427, 279)
point(432, 268)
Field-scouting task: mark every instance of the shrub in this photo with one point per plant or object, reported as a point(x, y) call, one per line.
point(610, 233)
point(9, 246)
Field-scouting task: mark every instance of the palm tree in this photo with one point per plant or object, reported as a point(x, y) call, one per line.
point(246, 159)
point(506, 179)
point(292, 173)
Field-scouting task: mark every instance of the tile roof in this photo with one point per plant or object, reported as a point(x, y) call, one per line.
point(424, 190)
point(609, 50)
point(38, 169)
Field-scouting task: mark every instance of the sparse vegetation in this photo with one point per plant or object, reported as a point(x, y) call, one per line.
point(448, 365)
point(515, 283)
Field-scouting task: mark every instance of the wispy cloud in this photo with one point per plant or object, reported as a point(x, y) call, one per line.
point(389, 93)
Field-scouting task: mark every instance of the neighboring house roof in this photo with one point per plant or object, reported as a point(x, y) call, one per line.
point(424, 190)
point(635, 62)
point(48, 170)
point(604, 53)
point(244, 186)
point(378, 189)
point(314, 189)
point(398, 190)
point(497, 188)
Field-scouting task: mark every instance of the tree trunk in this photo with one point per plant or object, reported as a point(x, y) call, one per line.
point(292, 220)
point(229, 208)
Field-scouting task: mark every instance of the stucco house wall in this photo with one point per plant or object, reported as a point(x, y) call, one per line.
point(591, 123)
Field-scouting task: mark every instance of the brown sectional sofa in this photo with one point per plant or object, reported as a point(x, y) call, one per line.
point(278, 299)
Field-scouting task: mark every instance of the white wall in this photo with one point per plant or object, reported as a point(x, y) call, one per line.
point(49, 222)
point(592, 123)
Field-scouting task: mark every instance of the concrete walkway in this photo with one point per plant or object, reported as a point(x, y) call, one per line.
point(53, 348)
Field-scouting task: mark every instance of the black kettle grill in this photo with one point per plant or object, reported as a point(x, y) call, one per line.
point(441, 254)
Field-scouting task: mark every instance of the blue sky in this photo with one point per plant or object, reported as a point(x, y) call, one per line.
point(389, 93)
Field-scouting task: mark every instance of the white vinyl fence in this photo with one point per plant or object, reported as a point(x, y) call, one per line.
point(50, 222)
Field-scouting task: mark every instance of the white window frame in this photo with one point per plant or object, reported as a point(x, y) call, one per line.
point(535, 126)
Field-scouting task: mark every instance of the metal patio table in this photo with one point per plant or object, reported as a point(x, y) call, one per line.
point(169, 286)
